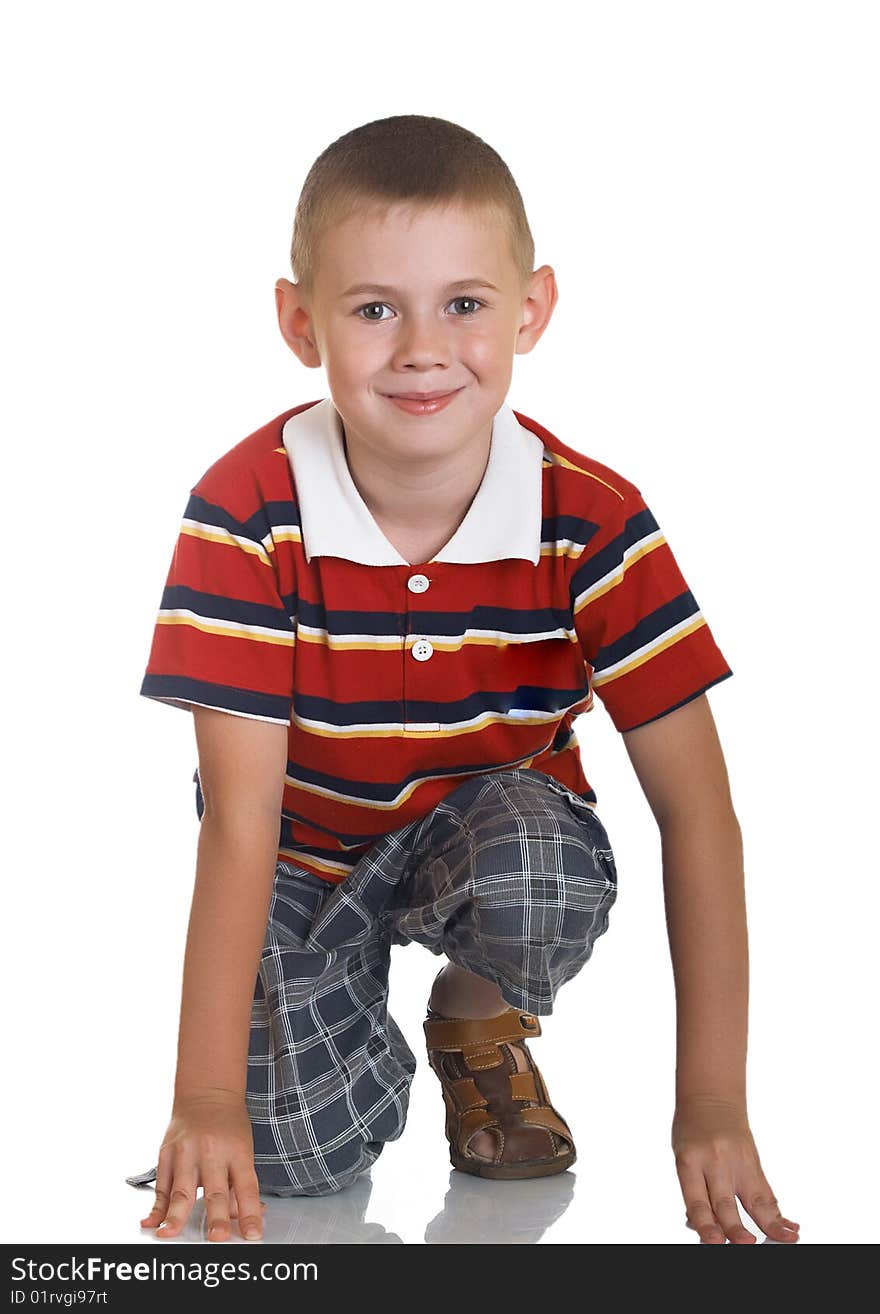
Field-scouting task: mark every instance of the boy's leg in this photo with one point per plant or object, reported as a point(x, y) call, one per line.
point(513, 879)
point(459, 993)
point(328, 1070)
point(515, 886)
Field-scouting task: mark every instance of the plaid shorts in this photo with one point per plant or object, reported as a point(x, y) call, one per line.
point(511, 876)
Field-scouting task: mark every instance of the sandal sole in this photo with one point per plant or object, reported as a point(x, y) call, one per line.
point(508, 1172)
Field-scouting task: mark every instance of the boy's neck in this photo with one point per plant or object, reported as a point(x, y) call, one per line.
point(418, 504)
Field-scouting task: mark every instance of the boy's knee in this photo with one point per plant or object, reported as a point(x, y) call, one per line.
point(575, 888)
point(316, 1178)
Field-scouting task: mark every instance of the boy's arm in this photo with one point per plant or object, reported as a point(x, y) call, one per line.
point(242, 763)
point(681, 769)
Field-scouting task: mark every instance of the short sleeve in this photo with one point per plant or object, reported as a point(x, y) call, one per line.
point(640, 628)
point(224, 636)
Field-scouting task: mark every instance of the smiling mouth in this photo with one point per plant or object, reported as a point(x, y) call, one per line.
point(422, 396)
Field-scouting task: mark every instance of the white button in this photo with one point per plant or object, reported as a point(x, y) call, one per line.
point(418, 583)
point(422, 650)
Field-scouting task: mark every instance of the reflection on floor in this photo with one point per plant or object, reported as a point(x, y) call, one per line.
point(475, 1212)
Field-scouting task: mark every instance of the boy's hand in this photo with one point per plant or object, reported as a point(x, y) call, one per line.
point(716, 1160)
point(209, 1141)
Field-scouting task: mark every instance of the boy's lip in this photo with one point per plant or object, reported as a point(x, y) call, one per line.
point(423, 396)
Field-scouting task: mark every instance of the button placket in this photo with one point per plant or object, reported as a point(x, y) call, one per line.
point(422, 650)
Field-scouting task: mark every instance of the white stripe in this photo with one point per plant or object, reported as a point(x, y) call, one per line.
point(391, 640)
point(654, 537)
point(533, 716)
point(650, 646)
point(228, 624)
point(404, 792)
point(221, 530)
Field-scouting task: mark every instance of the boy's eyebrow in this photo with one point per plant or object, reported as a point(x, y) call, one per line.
point(359, 288)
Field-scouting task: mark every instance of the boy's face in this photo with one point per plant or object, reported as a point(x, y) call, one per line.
point(410, 329)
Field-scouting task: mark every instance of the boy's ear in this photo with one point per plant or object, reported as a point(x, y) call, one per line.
point(295, 323)
point(541, 298)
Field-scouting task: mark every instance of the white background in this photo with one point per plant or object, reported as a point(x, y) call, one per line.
point(703, 179)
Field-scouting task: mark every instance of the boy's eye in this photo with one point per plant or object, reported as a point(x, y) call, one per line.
point(471, 301)
point(377, 305)
point(373, 305)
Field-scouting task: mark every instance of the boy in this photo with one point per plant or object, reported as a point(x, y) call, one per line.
point(385, 611)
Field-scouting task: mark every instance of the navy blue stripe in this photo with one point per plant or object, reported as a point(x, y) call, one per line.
point(214, 606)
point(611, 555)
point(452, 624)
point(208, 513)
point(649, 627)
point(572, 528)
point(271, 516)
point(258, 527)
point(334, 854)
point(380, 711)
point(216, 695)
point(371, 791)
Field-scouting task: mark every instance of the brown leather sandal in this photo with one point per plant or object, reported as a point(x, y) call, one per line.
point(484, 1091)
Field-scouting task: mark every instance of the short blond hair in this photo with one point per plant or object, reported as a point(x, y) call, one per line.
point(409, 159)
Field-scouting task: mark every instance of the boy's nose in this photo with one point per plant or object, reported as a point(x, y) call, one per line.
point(421, 344)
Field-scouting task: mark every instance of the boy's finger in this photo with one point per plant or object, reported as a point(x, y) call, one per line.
point(158, 1211)
point(215, 1183)
point(182, 1196)
point(164, 1175)
point(723, 1199)
point(247, 1191)
point(699, 1213)
point(233, 1206)
point(758, 1198)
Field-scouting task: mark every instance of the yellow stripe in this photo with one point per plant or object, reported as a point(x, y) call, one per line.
point(558, 459)
point(223, 631)
point(618, 576)
point(347, 802)
point(230, 540)
point(640, 660)
point(392, 644)
point(292, 535)
point(447, 732)
point(294, 857)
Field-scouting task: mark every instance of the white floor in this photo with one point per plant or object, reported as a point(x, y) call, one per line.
point(605, 1056)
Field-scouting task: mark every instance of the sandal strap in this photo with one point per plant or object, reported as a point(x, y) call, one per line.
point(548, 1117)
point(524, 1087)
point(470, 1033)
point(479, 1039)
point(467, 1094)
point(472, 1121)
point(477, 1118)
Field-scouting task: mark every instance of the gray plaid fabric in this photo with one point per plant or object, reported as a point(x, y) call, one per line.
point(511, 876)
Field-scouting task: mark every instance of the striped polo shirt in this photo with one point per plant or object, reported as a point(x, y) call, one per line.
point(285, 602)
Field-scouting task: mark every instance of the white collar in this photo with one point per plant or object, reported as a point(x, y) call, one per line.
point(503, 520)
